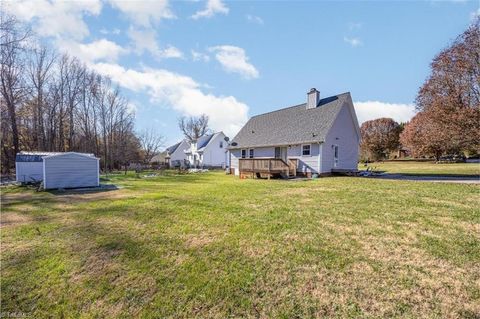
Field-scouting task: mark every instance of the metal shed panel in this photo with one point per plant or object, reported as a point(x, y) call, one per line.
point(70, 170)
point(27, 172)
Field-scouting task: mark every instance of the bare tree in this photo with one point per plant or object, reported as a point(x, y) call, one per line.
point(39, 71)
point(13, 90)
point(151, 142)
point(58, 104)
point(194, 127)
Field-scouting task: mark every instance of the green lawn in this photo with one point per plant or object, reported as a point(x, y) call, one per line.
point(214, 246)
point(425, 168)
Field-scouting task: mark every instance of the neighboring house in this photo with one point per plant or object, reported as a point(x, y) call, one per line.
point(318, 137)
point(209, 151)
point(159, 159)
point(58, 170)
point(175, 156)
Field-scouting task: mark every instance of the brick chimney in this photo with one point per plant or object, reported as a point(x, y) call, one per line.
point(313, 97)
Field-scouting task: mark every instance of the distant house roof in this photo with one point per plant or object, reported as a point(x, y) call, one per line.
point(173, 148)
point(204, 140)
point(38, 156)
point(291, 125)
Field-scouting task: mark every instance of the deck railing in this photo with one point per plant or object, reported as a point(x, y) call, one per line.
point(268, 165)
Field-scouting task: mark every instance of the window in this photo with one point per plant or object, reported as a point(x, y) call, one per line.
point(250, 153)
point(221, 144)
point(306, 150)
point(244, 153)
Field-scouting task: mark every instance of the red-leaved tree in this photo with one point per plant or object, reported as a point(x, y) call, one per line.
point(379, 137)
point(449, 101)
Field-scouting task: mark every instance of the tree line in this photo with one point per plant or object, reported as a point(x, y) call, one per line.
point(55, 103)
point(448, 108)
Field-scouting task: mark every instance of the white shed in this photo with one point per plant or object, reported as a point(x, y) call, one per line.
point(58, 170)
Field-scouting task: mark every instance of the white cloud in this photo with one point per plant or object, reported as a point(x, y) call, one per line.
point(475, 14)
point(213, 7)
point(114, 31)
point(354, 26)
point(144, 13)
point(145, 40)
point(56, 18)
point(100, 50)
point(181, 93)
point(171, 52)
point(233, 59)
point(354, 42)
point(371, 110)
point(199, 56)
point(254, 19)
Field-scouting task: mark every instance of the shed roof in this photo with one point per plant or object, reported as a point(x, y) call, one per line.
point(34, 156)
point(87, 155)
point(292, 125)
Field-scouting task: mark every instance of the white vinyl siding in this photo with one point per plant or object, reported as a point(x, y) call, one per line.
point(213, 154)
point(70, 170)
point(179, 154)
point(306, 163)
point(344, 135)
point(235, 155)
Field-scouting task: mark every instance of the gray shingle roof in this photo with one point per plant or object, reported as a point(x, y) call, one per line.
point(291, 125)
point(173, 148)
point(204, 140)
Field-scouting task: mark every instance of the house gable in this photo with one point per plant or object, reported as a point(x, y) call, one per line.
point(344, 134)
point(292, 125)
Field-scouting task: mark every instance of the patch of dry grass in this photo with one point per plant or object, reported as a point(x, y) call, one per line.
point(332, 247)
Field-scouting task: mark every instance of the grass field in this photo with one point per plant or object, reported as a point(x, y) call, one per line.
point(424, 168)
point(213, 246)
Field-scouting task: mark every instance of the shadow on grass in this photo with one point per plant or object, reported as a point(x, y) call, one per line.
point(86, 190)
point(430, 177)
point(445, 175)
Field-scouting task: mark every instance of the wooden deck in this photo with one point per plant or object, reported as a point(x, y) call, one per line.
point(267, 166)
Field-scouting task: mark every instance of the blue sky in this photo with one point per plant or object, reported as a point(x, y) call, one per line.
point(232, 60)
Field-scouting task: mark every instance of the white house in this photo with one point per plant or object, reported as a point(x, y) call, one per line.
point(318, 137)
point(176, 154)
point(208, 151)
point(58, 170)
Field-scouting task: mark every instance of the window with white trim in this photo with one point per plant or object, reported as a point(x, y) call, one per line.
point(250, 153)
point(244, 153)
point(221, 144)
point(306, 149)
